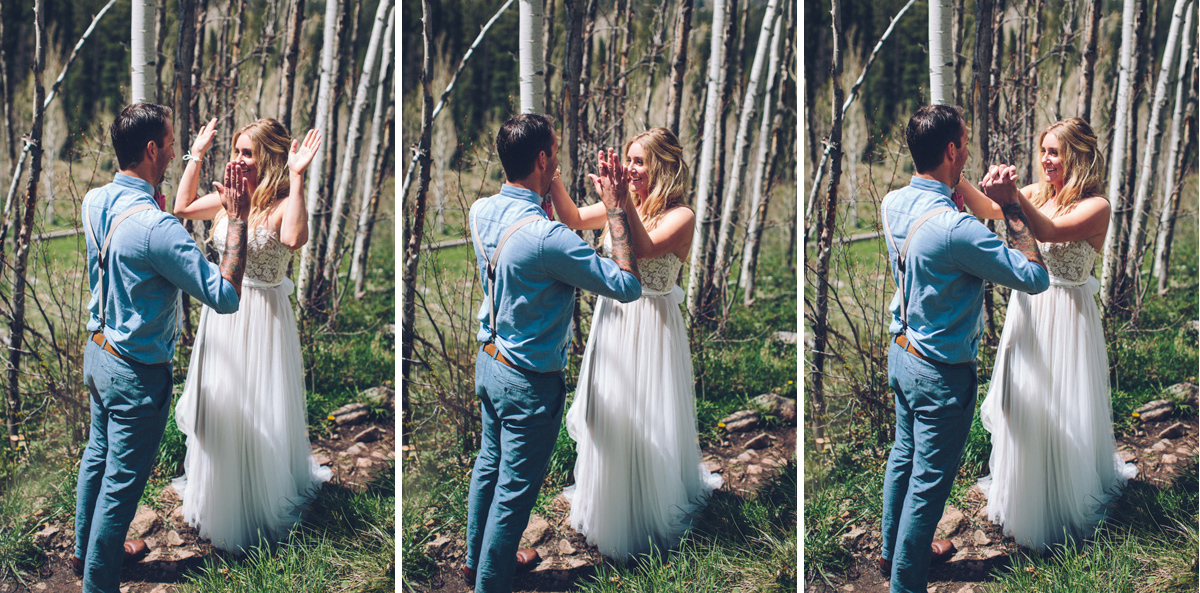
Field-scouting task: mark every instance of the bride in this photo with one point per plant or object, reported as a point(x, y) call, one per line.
point(1053, 462)
point(638, 475)
point(248, 469)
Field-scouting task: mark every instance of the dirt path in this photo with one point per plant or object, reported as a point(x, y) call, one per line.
point(176, 548)
point(566, 556)
point(982, 545)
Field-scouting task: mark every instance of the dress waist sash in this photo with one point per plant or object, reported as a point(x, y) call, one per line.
point(285, 282)
point(1089, 284)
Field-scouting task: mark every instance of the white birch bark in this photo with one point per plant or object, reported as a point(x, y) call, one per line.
point(704, 174)
point(753, 224)
point(358, 261)
point(733, 187)
point(941, 56)
point(1115, 165)
point(329, 50)
point(1169, 191)
point(1141, 211)
point(531, 68)
point(352, 145)
point(141, 52)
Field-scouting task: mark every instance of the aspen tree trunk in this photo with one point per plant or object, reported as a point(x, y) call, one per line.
point(957, 27)
point(233, 68)
point(1087, 75)
point(572, 75)
point(683, 29)
point(980, 68)
point(941, 61)
point(655, 50)
point(384, 167)
point(532, 73)
point(6, 96)
point(353, 145)
point(992, 112)
point(184, 57)
point(758, 186)
point(741, 143)
point(1169, 204)
point(160, 30)
point(369, 202)
point(1031, 91)
point(267, 41)
point(141, 52)
point(316, 169)
point(820, 323)
point(1067, 36)
point(1141, 210)
point(1117, 160)
point(704, 173)
point(290, 58)
point(547, 56)
point(1171, 211)
point(198, 69)
point(21, 257)
point(415, 216)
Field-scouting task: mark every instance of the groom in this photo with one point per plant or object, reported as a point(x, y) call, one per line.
point(940, 271)
point(530, 268)
point(139, 258)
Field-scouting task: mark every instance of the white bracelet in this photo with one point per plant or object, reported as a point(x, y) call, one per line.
point(190, 157)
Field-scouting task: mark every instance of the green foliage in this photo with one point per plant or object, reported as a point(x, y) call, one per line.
point(435, 501)
point(20, 559)
point(345, 543)
point(358, 356)
point(843, 492)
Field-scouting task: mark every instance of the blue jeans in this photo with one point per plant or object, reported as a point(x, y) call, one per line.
point(935, 404)
point(522, 411)
point(130, 403)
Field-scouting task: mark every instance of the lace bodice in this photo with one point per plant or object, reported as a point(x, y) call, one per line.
point(1073, 261)
point(266, 257)
point(658, 273)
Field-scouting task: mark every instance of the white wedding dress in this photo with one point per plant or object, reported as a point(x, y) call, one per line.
point(1053, 463)
point(638, 475)
point(249, 469)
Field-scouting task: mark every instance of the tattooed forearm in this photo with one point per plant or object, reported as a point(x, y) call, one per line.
point(233, 261)
point(1019, 237)
point(622, 244)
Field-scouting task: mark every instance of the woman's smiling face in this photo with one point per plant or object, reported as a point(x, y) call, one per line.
point(639, 175)
point(1052, 163)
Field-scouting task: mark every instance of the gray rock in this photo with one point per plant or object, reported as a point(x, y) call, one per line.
point(435, 547)
point(850, 540)
point(1173, 431)
point(173, 538)
point(761, 441)
point(1155, 410)
point(369, 435)
point(350, 414)
point(980, 538)
point(741, 421)
point(754, 469)
point(382, 396)
point(776, 405)
point(712, 467)
point(565, 548)
point(1188, 392)
point(1169, 459)
point(535, 532)
point(950, 523)
point(42, 538)
point(1160, 446)
point(143, 522)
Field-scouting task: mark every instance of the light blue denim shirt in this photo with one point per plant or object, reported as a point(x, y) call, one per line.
point(539, 268)
point(949, 259)
point(151, 257)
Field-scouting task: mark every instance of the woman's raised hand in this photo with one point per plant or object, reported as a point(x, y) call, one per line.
point(301, 155)
point(613, 181)
point(204, 139)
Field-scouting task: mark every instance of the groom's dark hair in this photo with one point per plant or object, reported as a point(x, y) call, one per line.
point(520, 140)
point(137, 125)
point(929, 131)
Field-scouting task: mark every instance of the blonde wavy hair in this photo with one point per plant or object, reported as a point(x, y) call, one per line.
point(1082, 161)
point(667, 172)
point(270, 143)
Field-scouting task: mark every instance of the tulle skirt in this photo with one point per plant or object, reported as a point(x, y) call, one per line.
point(249, 469)
point(1053, 464)
point(638, 475)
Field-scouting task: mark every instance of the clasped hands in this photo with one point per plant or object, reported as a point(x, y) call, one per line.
point(1000, 185)
point(613, 181)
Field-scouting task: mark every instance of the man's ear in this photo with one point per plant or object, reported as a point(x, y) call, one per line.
point(151, 149)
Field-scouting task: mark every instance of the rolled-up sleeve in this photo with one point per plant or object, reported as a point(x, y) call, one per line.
point(177, 258)
point(571, 260)
point(980, 252)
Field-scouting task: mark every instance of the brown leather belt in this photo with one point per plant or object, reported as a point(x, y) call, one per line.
point(491, 350)
point(98, 338)
point(902, 341)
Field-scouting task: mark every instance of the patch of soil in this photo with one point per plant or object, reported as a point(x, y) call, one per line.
point(982, 546)
point(176, 547)
point(566, 556)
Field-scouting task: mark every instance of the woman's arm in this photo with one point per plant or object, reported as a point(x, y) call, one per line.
point(1089, 219)
point(672, 234)
point(187, 205)
point(585, 218)
point(293, 228)
point(980, 205)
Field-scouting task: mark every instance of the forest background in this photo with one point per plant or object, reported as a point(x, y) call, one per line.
point(723, 76)
point(326, 65)
point(1128, 67)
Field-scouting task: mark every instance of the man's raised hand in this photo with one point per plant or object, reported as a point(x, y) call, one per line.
point(235, 192)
